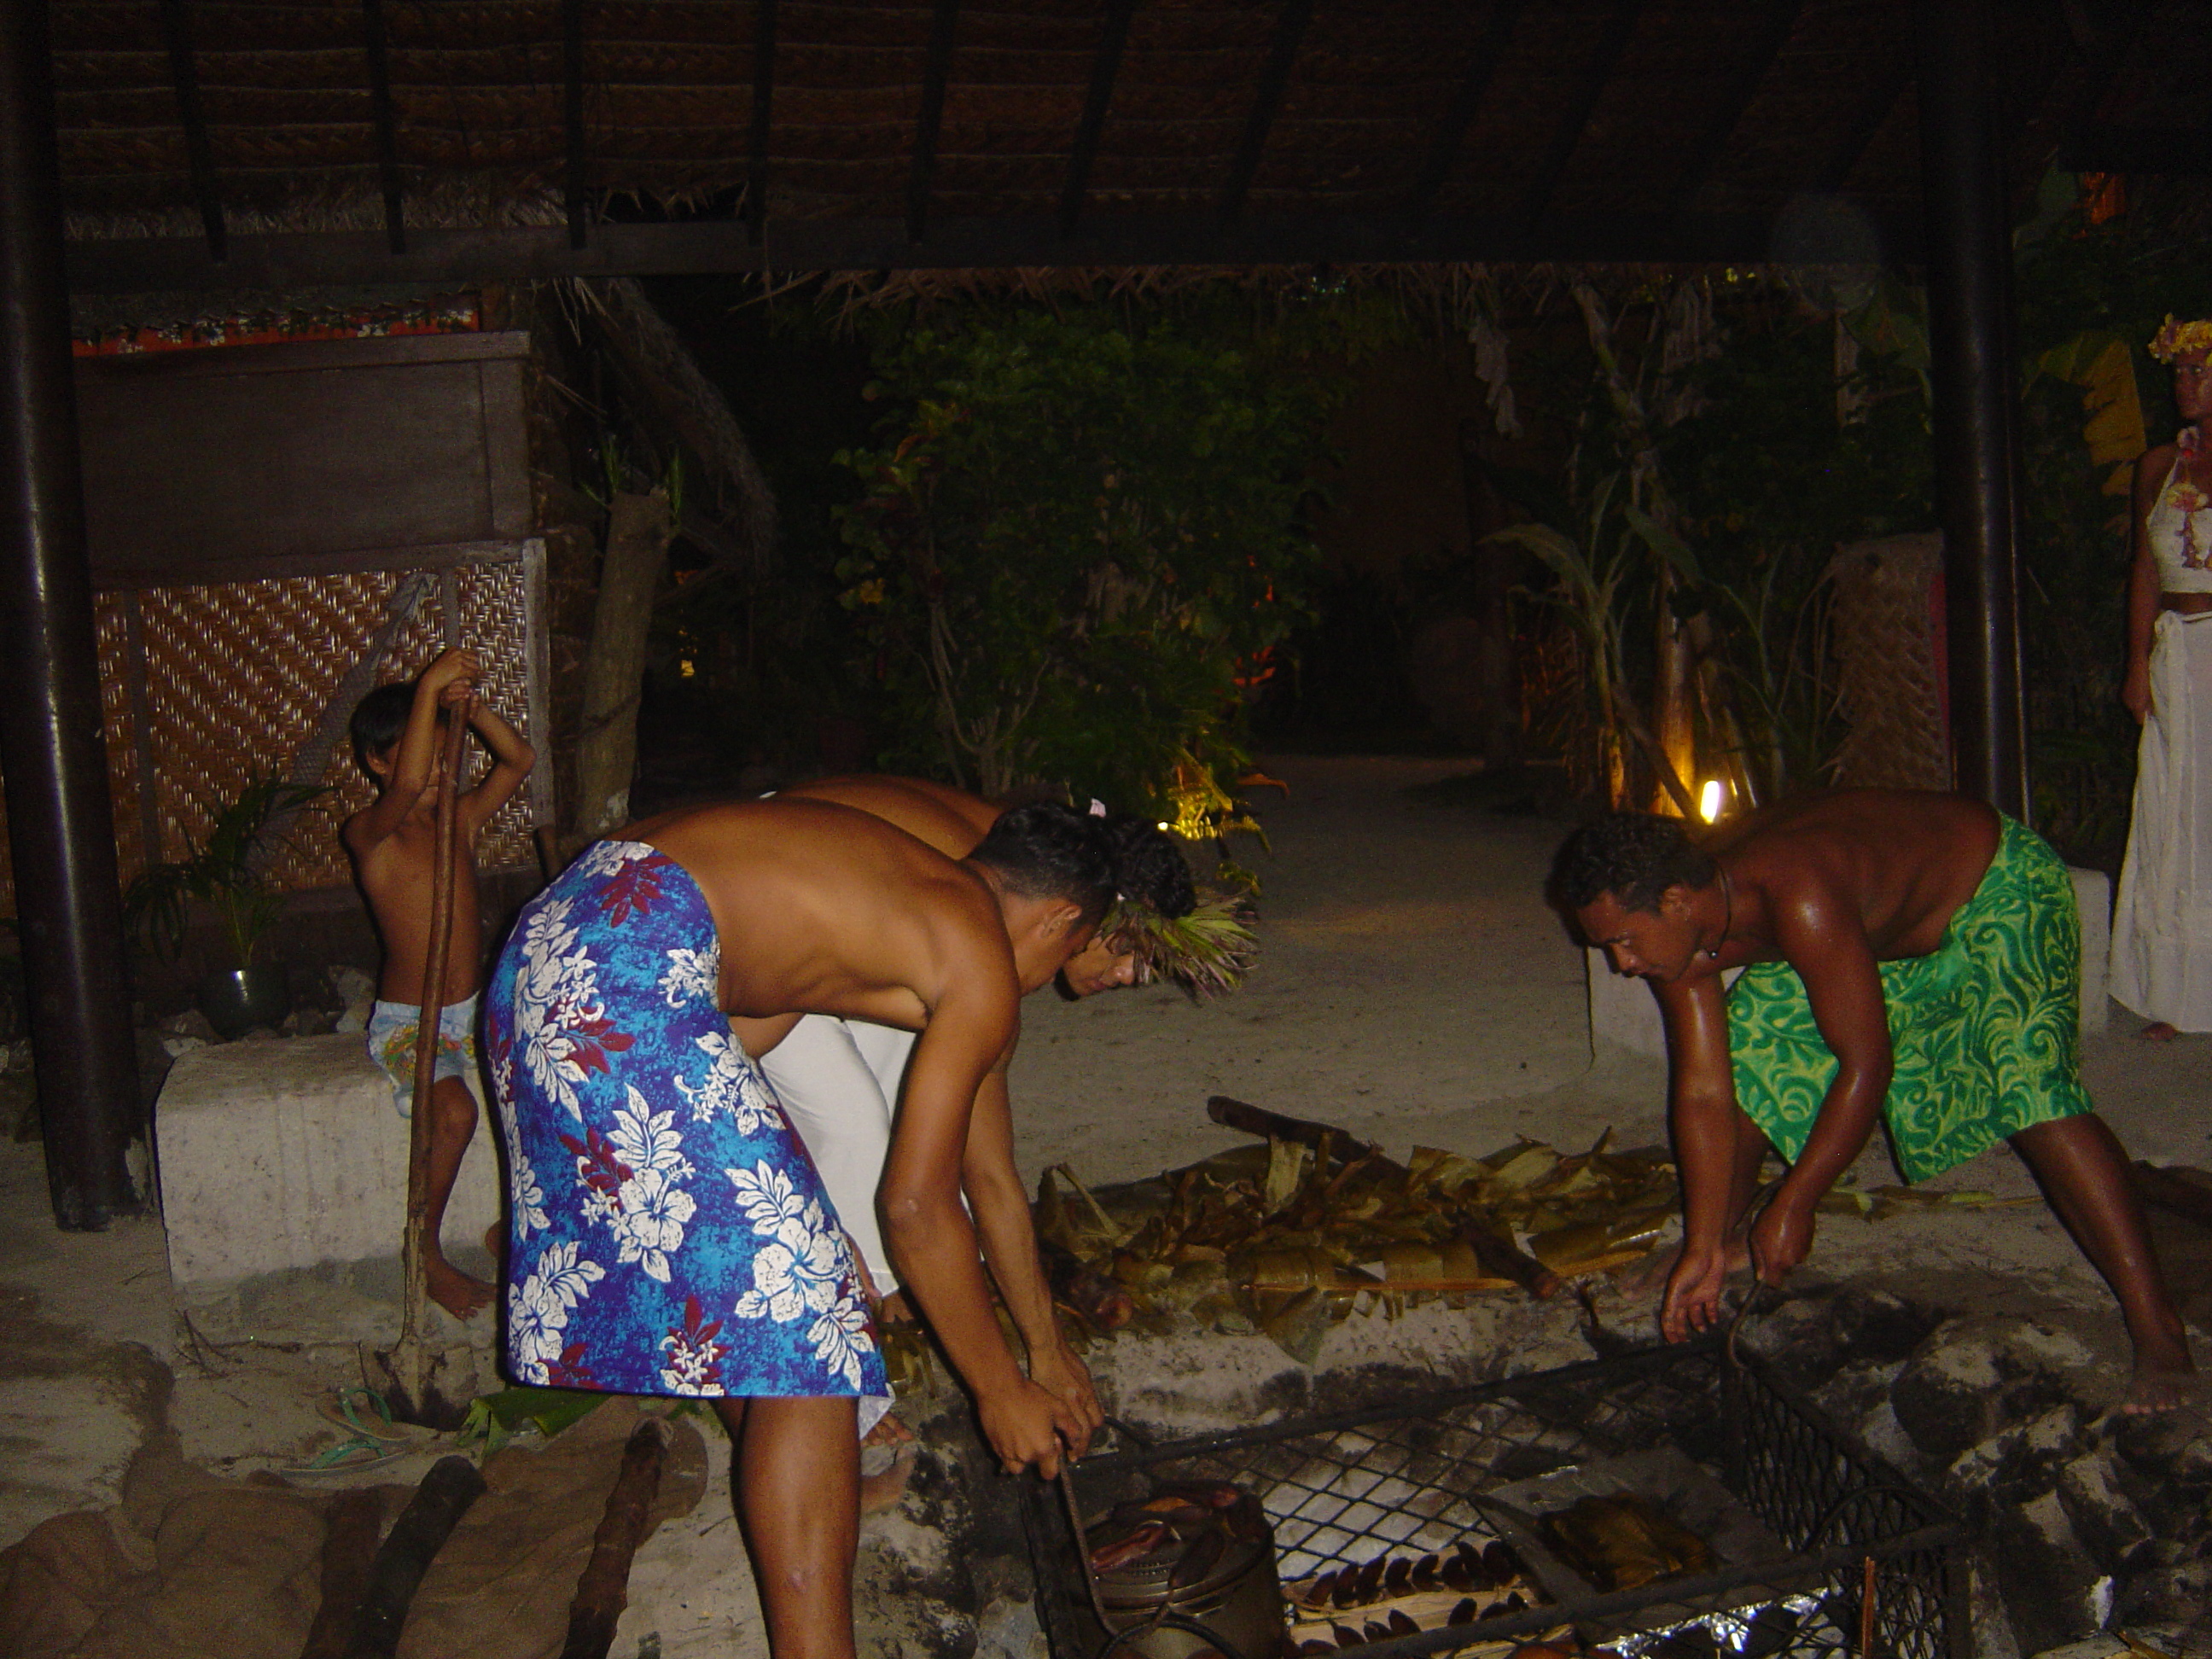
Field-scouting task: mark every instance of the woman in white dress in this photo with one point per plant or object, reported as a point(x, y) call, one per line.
point(2161, 965)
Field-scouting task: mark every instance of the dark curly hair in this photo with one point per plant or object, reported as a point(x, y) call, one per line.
point(379, 720)
point(1046, 850)
point(1148, 865)
point(1634, 856)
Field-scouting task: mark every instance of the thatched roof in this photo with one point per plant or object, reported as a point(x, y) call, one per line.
point(869, 133)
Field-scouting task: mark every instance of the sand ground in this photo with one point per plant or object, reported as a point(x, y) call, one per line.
point(1414, 989)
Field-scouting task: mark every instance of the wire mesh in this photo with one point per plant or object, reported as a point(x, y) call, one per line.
point(1403, 1477)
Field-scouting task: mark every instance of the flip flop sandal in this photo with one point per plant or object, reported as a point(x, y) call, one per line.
point(348, 1456)
point(375, 1424)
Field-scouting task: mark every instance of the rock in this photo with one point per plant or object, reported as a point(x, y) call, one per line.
point(191, 1023)
point(174, 1046)
point(1881, 1326)
point(2053, 1592)
point(2105, 1518)
point(308, 1021)
point(356, 992)
point(2169, 1446)
point(2020, 1460)
point(1974, 1376)
point(1009, 1629)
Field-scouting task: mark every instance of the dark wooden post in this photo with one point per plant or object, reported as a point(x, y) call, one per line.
point(1977, 413)
point(61, 827)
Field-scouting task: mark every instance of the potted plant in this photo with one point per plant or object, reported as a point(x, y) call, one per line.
point(224, 871)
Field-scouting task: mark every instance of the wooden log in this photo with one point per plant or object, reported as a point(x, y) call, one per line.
point(414, 1542)
point(638, 528)
point(348, 1549)
point(603, 1591)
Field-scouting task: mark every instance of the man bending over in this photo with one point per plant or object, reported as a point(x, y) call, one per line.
point(667, 1232)
point(1915, 955)
point(839, 1078)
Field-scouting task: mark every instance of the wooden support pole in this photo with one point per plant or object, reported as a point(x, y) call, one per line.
point(1567, 138)
point(572, 121)
point(199, 152)
point(1976, 412)
point(1291, 24)
point(603, 1591)
point(1466, 104)
point(936, 70)
point(386, 122)
point(762, 127)
point(1780, 24)
point(1105, 68)
point(61, 825)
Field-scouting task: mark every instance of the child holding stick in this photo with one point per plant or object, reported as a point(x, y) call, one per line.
point(398, 732)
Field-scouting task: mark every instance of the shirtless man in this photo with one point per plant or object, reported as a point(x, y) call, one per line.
point(1912, 955)
point(668, 1234)
point(839, 1080)
point(398, 732)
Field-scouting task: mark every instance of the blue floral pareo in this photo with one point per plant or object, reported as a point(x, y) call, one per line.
point(666, 1233)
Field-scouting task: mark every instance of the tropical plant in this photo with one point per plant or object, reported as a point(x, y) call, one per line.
point(225, 872)
point(1078, 549)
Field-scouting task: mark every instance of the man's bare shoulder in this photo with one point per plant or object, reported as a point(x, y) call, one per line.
point(951, 820)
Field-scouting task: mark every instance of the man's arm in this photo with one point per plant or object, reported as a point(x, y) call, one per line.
point(928, 1231)
point(1823, 938)
point(1000, 1205)
point(511, 759)
point(1702, 1113)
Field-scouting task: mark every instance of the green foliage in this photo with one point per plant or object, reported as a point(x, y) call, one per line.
point(1077, 546)
point(223, 871)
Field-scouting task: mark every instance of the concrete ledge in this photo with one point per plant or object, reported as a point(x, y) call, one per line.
point(1624, 1011)
point(287, 1154)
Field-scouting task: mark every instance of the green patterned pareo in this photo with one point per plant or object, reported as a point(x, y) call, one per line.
point(1986, 1029)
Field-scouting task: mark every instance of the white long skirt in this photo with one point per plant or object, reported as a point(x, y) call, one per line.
point(2161, 964)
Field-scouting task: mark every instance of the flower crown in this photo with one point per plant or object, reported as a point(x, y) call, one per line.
point(1206, 952)
point(2177, 340)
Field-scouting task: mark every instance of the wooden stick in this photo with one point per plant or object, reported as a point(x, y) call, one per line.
point(416, 1538)
point(1273, 1126)
point(408, 1362)
point(348, 1550)
point(603, 1591)
point(1500, 1256)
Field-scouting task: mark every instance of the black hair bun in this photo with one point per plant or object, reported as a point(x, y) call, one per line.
point(1148, 865)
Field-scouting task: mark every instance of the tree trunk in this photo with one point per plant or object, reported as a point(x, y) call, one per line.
point(638, 530)
point(1671, 695)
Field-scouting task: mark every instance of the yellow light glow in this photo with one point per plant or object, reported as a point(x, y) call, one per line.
point(685, 667)
point(1712, 798)
point(1166, 826)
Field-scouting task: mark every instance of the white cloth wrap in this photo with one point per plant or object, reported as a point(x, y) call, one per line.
point(2161, 964)
point(839, 1082)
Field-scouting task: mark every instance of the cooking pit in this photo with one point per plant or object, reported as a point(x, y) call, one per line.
point(1664, 1504)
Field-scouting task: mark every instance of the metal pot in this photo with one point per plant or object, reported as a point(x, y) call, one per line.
point(236, 1001)
point(1238, 1600)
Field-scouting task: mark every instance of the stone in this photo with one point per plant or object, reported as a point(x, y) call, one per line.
point(2173, 1446)
point(1976, 1375)
point(2054, 1593)
point(191, 1023)
point(1009, 1629)
point(276, 1155)
point(2105, 1518)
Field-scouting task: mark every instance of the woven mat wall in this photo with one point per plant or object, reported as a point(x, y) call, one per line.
point(1887, 660)
point(237, 677)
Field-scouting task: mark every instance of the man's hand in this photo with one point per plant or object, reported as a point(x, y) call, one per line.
point(452, 666)
point(1693, 1302)
point(1060, 1374)
point(1782, 1238)
point(1026, 1425)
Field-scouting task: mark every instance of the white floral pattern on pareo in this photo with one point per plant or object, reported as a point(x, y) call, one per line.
point(731, 1085)
point(537, 1308)
point(605, 858)
point(561, 1024)
point(692, 976)
point(803, 1268)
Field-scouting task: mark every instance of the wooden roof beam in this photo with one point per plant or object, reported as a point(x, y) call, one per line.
point(763, 104)
point(1781, 23)
point(572, 117)
point(184, 75)
point(1282, 53)
point(386, 122)
point(1569, 137)
point(1873, 114)
point(1466, 105)
point(935, 72)
point(1105, 68)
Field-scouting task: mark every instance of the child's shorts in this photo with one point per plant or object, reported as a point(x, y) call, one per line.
point(391, 1029)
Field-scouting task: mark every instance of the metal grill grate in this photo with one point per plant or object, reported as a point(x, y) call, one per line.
point(1407, 1475)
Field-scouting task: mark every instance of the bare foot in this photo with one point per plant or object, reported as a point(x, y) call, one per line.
point(2161, 1388)
point(455, 1291)
point(2158, 1032)
point(888, 1431)
point(882, 1491)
